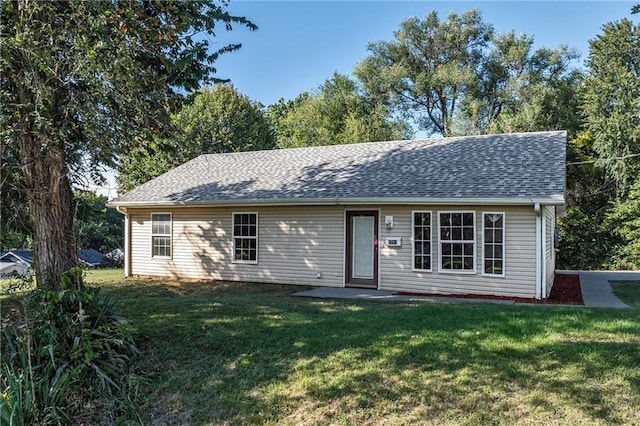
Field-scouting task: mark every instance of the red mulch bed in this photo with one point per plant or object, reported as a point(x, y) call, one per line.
point(565, 291)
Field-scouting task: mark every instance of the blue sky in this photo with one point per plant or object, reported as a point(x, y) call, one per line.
point(299, 44)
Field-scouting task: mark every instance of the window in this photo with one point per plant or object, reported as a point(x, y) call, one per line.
point(422, 241)
point(493, 231)
point(457, 242)
point(245, 237)
point(161, 234)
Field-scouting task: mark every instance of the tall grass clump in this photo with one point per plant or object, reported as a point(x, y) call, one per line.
point(64, 351)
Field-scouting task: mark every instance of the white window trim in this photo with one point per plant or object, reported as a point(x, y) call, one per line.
point(162, 235)
point(475, 247)
point(413, 245)
point(233, 240)
point(504, 245)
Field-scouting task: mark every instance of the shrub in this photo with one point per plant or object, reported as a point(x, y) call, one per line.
point(584, 244)
point(62, 346)
point(623, 221)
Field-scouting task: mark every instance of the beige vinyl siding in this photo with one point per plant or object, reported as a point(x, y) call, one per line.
point(519, 281)
point(550, 257)
point(294, 244)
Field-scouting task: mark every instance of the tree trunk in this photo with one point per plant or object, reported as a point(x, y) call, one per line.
point(38, 94)
point(50, 203)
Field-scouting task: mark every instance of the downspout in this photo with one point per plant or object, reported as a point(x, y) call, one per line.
point(127, 242)
point(536, 208)
point(543, 247)
point(127, 245)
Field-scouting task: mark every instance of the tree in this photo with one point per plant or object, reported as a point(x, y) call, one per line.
point(459, 76)
point(601, 227)
point(429, 67)
point(277, 114)
point(611, 100)
point(214, 120)
point(611, 106)
point(529, 90)
point(338, 112)
point(584, 242)
point(588, 186)
point(84, 81)
point(623, 221)
point(99, 227)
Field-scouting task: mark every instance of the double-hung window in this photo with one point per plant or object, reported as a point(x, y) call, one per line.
point(421, 241)
point(457, 241)
point(493, 237)
point(245, 237)
point(161, 234)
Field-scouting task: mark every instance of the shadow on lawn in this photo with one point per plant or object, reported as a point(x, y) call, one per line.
point(242, 353)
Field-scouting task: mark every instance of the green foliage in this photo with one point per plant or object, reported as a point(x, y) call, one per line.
point(458, 77)
point(611, 100)
point(430, 66)
point(216, 119)
point(588, 186)
point(583, 243)
point(63, 344)
point(278, 112)
point(99, 227)
point(601, 229)
point(85, 81)
point(338, 112)
point(220, 119)
point(536, 90)
point(146, 161)
point(623, 221)
point(85, 52)
point(31, 394)
point(14, 226)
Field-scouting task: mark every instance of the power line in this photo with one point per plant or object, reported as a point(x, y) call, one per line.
point(624, 157)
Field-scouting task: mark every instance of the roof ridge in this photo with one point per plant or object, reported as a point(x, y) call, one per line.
point(341, 145)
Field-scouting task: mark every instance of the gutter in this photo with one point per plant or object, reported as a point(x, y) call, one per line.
point(122, 205)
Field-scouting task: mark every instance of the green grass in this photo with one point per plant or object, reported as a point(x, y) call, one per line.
point(628, 292)
point(229, 353)
point(15, 285)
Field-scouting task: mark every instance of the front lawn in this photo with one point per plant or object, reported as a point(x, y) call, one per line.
point(227, 353)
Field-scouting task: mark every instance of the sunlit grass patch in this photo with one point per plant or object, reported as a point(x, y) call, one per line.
point(100, 276)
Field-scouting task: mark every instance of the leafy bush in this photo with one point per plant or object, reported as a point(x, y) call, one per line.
point(584, 244)
point(623, 220)
point(32, 393)
point(60, 348)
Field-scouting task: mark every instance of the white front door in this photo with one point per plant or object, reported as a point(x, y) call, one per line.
point(362, 246)
point(361, 249)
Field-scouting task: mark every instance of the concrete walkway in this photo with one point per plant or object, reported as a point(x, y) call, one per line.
point(370, 294)
point(596, 291)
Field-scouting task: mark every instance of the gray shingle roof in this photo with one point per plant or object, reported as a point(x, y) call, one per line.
point(521, 166)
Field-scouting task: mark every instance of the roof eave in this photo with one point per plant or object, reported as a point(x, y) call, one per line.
point(553, 200)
